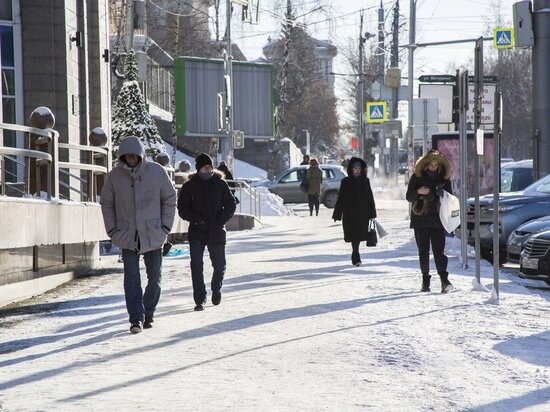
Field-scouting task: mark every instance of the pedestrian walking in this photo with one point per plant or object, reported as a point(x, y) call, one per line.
point(228, 177)
point(431, 176)
point(138, 202)
point(314, 179)
point(355, 206)
point(206, 202)
point(305, 160)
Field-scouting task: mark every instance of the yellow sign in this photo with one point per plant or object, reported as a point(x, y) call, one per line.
point(503, 38)
point(376, 112)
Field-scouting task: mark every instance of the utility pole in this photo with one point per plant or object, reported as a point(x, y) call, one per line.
point(280, 110)
point(129, 35)
point(227, 143)
point(411, 47)
point(381, 40)
point(361, 85)
point(541, 83)
point(380, 51)
point(394, 56)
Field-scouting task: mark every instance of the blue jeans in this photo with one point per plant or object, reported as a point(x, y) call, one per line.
point(141, 304)
point(217, 257)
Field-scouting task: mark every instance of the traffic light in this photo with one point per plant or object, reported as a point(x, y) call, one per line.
point(354, 143)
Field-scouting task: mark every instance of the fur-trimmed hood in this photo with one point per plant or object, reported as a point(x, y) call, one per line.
point(445, 166)
point(352, 162)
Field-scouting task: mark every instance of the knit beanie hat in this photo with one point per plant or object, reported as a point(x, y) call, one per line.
point(202, 160)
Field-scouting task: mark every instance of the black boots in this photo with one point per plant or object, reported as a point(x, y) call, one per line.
point(446, 286)
point(425, 283)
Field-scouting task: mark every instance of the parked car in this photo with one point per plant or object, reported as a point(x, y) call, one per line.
point(535, 258)
point(515, 176)
point(287, 185)
point(518, 238)
point(515, 208)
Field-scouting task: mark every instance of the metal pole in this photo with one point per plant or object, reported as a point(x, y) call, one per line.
point(361, 102)
point(227, 143)
point(463, 138)
point(425, 133)
point(541, 85)
point(496, 186)
point(478, 89)
point(411, 47)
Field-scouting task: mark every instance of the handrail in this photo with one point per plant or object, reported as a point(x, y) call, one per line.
point(45, 164)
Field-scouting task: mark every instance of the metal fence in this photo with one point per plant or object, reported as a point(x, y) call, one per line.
point(43, 171)
point(249, 199)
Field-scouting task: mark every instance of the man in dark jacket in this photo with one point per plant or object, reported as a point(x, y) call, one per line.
point(431, 176)
point(206, 202)
point(138, 202)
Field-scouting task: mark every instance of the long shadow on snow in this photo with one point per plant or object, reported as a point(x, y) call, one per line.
point(518, 403)
point(239, 324)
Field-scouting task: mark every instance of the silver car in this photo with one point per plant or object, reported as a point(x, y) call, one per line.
point(287, 184)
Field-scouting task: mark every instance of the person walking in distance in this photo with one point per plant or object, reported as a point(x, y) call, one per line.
point(355, 206)
point(138, 202)
point(314, 179)
point(206, 202)
point(431, 176)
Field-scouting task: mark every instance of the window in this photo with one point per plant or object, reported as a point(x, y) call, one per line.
point(294, 176)
point(6, 10)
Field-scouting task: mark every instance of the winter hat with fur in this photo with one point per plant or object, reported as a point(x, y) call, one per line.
point(202, 160)
point(445, 166)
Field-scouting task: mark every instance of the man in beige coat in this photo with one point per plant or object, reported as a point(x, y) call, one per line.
point(138, 202)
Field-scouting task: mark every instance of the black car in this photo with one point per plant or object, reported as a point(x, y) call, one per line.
point(535, 258)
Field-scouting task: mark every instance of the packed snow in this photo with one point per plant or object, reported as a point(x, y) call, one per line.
point(298, 328)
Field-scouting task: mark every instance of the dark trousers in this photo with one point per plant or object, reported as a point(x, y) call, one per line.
point(436, 237)
point(217, 257)
point(313, 200)
point(138, 303)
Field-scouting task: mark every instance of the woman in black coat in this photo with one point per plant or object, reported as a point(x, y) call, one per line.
point(355, 206)
point(431, 176)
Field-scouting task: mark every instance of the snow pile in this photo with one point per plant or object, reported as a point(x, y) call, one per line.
point(262, 203)
point(241, 170)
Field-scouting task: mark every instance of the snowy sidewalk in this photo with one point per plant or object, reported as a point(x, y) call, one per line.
point(298, 328)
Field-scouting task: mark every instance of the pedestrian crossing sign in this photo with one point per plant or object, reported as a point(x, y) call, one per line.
point(503, 38)
point(376, 112)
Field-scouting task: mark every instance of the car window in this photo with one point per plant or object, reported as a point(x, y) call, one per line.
point(293, 176)
point(506, 177)
point(540, 186)
point(328, 174)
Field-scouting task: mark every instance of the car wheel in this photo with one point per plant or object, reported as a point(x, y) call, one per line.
point(330, 198)
point(487, 254)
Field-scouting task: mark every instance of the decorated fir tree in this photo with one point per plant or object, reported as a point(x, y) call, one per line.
point(130, 116)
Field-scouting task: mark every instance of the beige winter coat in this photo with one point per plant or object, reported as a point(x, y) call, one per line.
point(138, 204)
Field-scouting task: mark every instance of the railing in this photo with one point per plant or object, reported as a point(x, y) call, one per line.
point(249, 199)
point(42, 167)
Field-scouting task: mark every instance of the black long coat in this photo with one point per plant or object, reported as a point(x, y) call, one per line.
point(425, 209)
point(355, 205)
point(207, 205)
